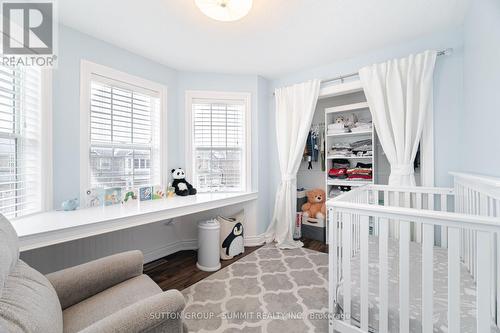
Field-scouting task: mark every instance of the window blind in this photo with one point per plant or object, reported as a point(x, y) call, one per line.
point(124, 135)
point(218, 145)
point(20, 140)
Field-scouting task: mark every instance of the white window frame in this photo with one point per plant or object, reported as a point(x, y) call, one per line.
point(47, 185)
point(219, 96)
point(87, 69)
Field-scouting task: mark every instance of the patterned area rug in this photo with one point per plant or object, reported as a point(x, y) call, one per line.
point(270, 290)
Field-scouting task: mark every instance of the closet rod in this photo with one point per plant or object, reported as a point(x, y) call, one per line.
point(343, 77)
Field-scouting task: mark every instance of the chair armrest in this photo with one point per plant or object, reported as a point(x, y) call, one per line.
point(77, 283)
point(157, 313)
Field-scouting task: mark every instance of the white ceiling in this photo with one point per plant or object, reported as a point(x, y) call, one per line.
point(277, 37)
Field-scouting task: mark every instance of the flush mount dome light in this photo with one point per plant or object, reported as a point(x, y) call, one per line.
point(225, 10)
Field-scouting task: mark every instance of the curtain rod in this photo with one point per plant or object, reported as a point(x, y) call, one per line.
point(342, 77)
point(447, 51)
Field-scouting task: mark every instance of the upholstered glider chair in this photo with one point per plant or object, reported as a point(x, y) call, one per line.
point(106, 295)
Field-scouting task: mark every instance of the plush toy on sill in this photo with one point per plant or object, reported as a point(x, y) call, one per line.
point(315, 206)
point(182, 187)
point(70, 205)
point(339, 119)
point(350, 120)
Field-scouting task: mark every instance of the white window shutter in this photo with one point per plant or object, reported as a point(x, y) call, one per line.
point(219, 145)
point(20, 140)
point(124, 135)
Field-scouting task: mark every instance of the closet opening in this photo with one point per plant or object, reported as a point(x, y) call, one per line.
point(342, 152)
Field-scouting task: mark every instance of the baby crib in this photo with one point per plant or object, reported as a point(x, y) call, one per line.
point(416, 259)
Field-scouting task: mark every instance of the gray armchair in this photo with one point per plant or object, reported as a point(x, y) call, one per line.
point(106, 295)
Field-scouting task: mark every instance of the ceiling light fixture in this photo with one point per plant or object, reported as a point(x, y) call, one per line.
point(225, 10)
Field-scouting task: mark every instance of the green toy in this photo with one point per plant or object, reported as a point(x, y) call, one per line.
point(130, 195)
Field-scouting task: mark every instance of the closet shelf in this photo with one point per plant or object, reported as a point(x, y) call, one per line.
point(338, 135)
point(341, 182)
point(345, 108)
point(331, 157)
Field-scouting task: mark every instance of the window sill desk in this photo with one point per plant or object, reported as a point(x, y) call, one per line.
point(54, 227)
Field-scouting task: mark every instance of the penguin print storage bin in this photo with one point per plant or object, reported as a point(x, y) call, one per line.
point(231, 235)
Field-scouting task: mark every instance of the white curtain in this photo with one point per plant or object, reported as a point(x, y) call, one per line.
point(399, 93)
point(295, 107)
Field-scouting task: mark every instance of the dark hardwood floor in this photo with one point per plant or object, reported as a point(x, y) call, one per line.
point(179, 271)
point(315, 245)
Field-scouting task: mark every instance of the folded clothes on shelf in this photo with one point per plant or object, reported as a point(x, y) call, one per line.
point(362, 147)
point(357, 148)
point(363, 153)
point(341, 169)
point(363, 165)
point(341, 163)
point(359, 177)
point(360, 172)
point(361, 127)
point(337, 128)
point(340, 173)
point(361, 143)
point(341, 149)
point(341, 152)
point(341, 145)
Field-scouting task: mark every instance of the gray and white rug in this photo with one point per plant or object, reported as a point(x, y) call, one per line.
point(269, 290)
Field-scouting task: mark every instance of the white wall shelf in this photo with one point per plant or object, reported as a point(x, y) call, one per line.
point(340, 89)
point(360, 108)
point(348, 107)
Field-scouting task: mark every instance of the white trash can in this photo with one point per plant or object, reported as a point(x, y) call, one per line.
point(208, 246)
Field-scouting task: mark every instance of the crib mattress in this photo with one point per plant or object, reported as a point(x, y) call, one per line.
point(467, 298)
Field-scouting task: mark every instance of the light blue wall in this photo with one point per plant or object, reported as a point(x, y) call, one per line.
point(448, 92)
point(481, 127)
point(76, 46)
point(266, 133)
point(73, 47)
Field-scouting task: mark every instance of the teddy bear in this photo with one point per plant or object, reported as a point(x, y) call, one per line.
point(182, 187)
point(315, 206)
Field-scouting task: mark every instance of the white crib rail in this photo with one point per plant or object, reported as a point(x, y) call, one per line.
point(480, 195)
point(413, 214)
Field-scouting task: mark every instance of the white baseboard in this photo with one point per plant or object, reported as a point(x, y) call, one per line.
point(191, 244)
point(155, 254)
point(255, 240)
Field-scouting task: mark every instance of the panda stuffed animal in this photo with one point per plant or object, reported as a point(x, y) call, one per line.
point(182, 187)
